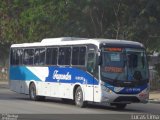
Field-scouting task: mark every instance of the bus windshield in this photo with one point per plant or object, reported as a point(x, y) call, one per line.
point(124, 64)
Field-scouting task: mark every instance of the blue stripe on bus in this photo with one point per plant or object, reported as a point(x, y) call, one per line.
point(22, 73)
point(56, 74)
point(70, 75)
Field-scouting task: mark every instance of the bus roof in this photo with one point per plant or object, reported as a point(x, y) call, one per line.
point(76, 41)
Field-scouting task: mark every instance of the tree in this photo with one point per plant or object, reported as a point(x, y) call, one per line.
point(33, 20)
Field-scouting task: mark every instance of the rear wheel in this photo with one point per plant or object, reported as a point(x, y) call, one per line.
point(33, 94)
point(79, 101)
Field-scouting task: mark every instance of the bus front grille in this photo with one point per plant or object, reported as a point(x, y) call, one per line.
point(127, 99)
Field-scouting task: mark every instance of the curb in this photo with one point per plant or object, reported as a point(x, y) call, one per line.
point(4, 84)
point(157, 101)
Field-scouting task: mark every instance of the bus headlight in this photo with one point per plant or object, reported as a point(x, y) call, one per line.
point(107, 89)
point(104, 88)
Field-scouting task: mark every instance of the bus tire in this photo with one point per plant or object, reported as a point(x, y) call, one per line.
point(79, 101)
point(32, 93)
point(120, 106)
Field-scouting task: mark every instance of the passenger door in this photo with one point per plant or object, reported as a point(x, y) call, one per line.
point(91, 60)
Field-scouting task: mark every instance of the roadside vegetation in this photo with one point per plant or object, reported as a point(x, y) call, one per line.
point(32, 20)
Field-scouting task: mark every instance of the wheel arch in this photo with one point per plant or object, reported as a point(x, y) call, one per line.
point(32, 82)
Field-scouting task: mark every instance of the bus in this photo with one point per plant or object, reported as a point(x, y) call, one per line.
point(83, 70)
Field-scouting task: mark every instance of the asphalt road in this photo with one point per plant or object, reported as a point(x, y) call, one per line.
point(13, 103)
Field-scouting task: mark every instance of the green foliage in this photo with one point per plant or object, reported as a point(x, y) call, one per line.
point(33, 20)
point(157, 68)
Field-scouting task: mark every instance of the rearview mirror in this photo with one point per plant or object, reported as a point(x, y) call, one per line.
point(99, 60)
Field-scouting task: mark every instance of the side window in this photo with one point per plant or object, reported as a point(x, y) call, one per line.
point(36, 57)
point(91, 62)
point(75, 55)
point(16, 56)
point(82, 55)
point(19, 56)
point(28, 56)
point(51, 56)
point(13, 57)
point(54, 56)
point(67, 56)
point(64, 56)
point(92, 67)
point(39, 56)
point(78, 55)
point(61, 56)
point(42, 56)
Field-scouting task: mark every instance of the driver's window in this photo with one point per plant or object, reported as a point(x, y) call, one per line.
point(91, 63)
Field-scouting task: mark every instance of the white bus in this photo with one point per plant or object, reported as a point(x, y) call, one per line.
point(96, 70)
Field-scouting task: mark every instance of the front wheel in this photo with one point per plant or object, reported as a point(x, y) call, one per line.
point(79, 101)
